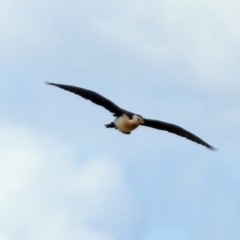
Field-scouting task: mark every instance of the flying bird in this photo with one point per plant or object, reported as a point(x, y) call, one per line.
point(126, 121)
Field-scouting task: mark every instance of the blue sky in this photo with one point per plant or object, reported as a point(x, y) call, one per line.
point(64, 176)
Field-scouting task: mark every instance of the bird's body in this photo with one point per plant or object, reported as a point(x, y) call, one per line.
point(127, 121)
point(125, 124)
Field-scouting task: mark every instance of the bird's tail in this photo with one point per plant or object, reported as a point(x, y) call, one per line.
point(110, 125)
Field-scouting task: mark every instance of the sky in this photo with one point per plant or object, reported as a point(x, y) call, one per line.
point(63, 175)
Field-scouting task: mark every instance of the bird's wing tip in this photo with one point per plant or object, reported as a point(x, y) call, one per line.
point(49, 83)
point(212, 148)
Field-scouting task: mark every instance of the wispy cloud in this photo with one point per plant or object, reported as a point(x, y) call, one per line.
point(177, 61)
point(46, 194)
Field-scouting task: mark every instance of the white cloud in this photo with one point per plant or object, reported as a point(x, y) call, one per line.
point(47, 194)
point(202, 37)
point(23, 36)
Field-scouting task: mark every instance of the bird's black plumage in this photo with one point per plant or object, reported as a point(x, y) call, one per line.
point(175, 129)
point(117, 111)
point(92, 96)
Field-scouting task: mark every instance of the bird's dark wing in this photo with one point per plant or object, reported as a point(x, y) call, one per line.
point(176, 130)
point(92, 96)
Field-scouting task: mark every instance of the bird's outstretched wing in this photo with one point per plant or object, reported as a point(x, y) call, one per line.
point(176, 130)
point(92, 96)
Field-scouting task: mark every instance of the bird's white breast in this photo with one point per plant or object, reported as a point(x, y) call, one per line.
point(124, 124)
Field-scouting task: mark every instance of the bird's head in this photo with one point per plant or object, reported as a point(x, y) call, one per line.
point(138, 119)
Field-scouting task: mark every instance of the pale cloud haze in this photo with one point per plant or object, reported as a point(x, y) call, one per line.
point(46, 195)
point(63, 175)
